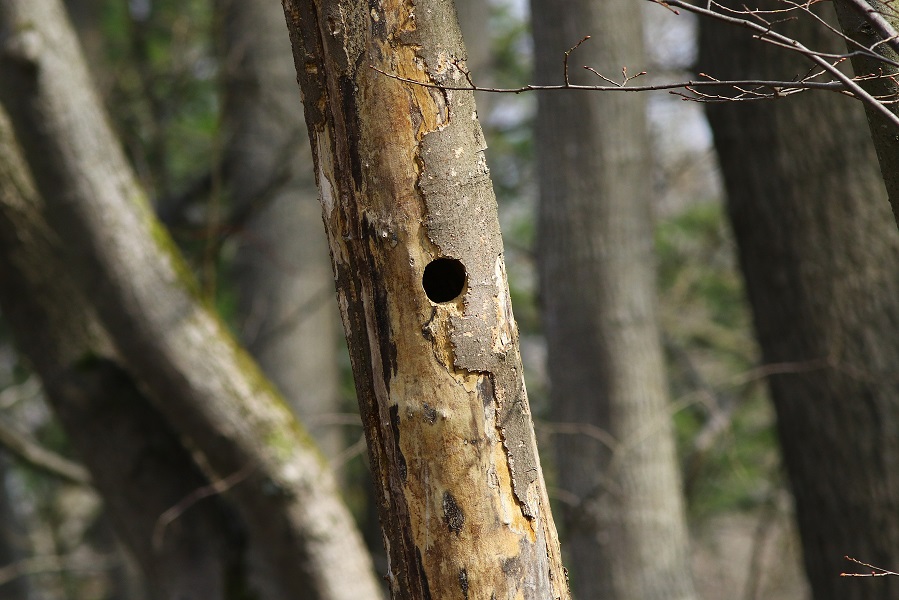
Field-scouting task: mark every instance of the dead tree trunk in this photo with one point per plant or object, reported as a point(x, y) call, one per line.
point(418, 260)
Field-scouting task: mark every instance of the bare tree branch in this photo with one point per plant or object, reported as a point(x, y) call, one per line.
point(216, 487)
point(33, 453)
point(763, 32)
point(777, 87)
point(761, 24)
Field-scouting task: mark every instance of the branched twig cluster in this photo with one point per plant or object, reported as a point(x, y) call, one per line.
point(824, 73)
point(762, 24)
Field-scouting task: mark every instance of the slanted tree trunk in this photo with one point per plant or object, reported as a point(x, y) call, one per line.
point(859, 29)
point(626, 533)
point(288, 318)
point(136, 461)
point(418, 260)
point(819, 252)
point(143, 295)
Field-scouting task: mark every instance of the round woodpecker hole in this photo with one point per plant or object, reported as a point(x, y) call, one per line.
point(444, 279)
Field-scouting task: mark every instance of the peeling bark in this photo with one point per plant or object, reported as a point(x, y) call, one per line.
point(417, 255)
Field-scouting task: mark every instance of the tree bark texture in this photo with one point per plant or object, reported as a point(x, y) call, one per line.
point(819, 250)
point(885, 135)
point(626, 534)
point(143, 296)
point(288, 318)
point(418, 260)
point(136, 461)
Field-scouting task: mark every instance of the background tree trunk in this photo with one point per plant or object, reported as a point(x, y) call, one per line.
point(819, 252)
point(626, 533)
point(418, 259)
point(14, 544)
point(474, 22)
point(283, 274)
point(884, 133)
point(143, 295)
point(136, 461)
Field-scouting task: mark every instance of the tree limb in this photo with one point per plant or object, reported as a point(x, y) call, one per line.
point(32, 452)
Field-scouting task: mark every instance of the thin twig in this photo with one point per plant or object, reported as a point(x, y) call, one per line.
point(565, 60)
point(349, 453)
point(665, 5)
point(586, 429)
point(746, 90)
point(625, 78)
point(831, 86)
point(216, 487)
point(875, 571)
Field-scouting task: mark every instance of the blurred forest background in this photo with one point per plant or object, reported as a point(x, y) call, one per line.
point(188, 86)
